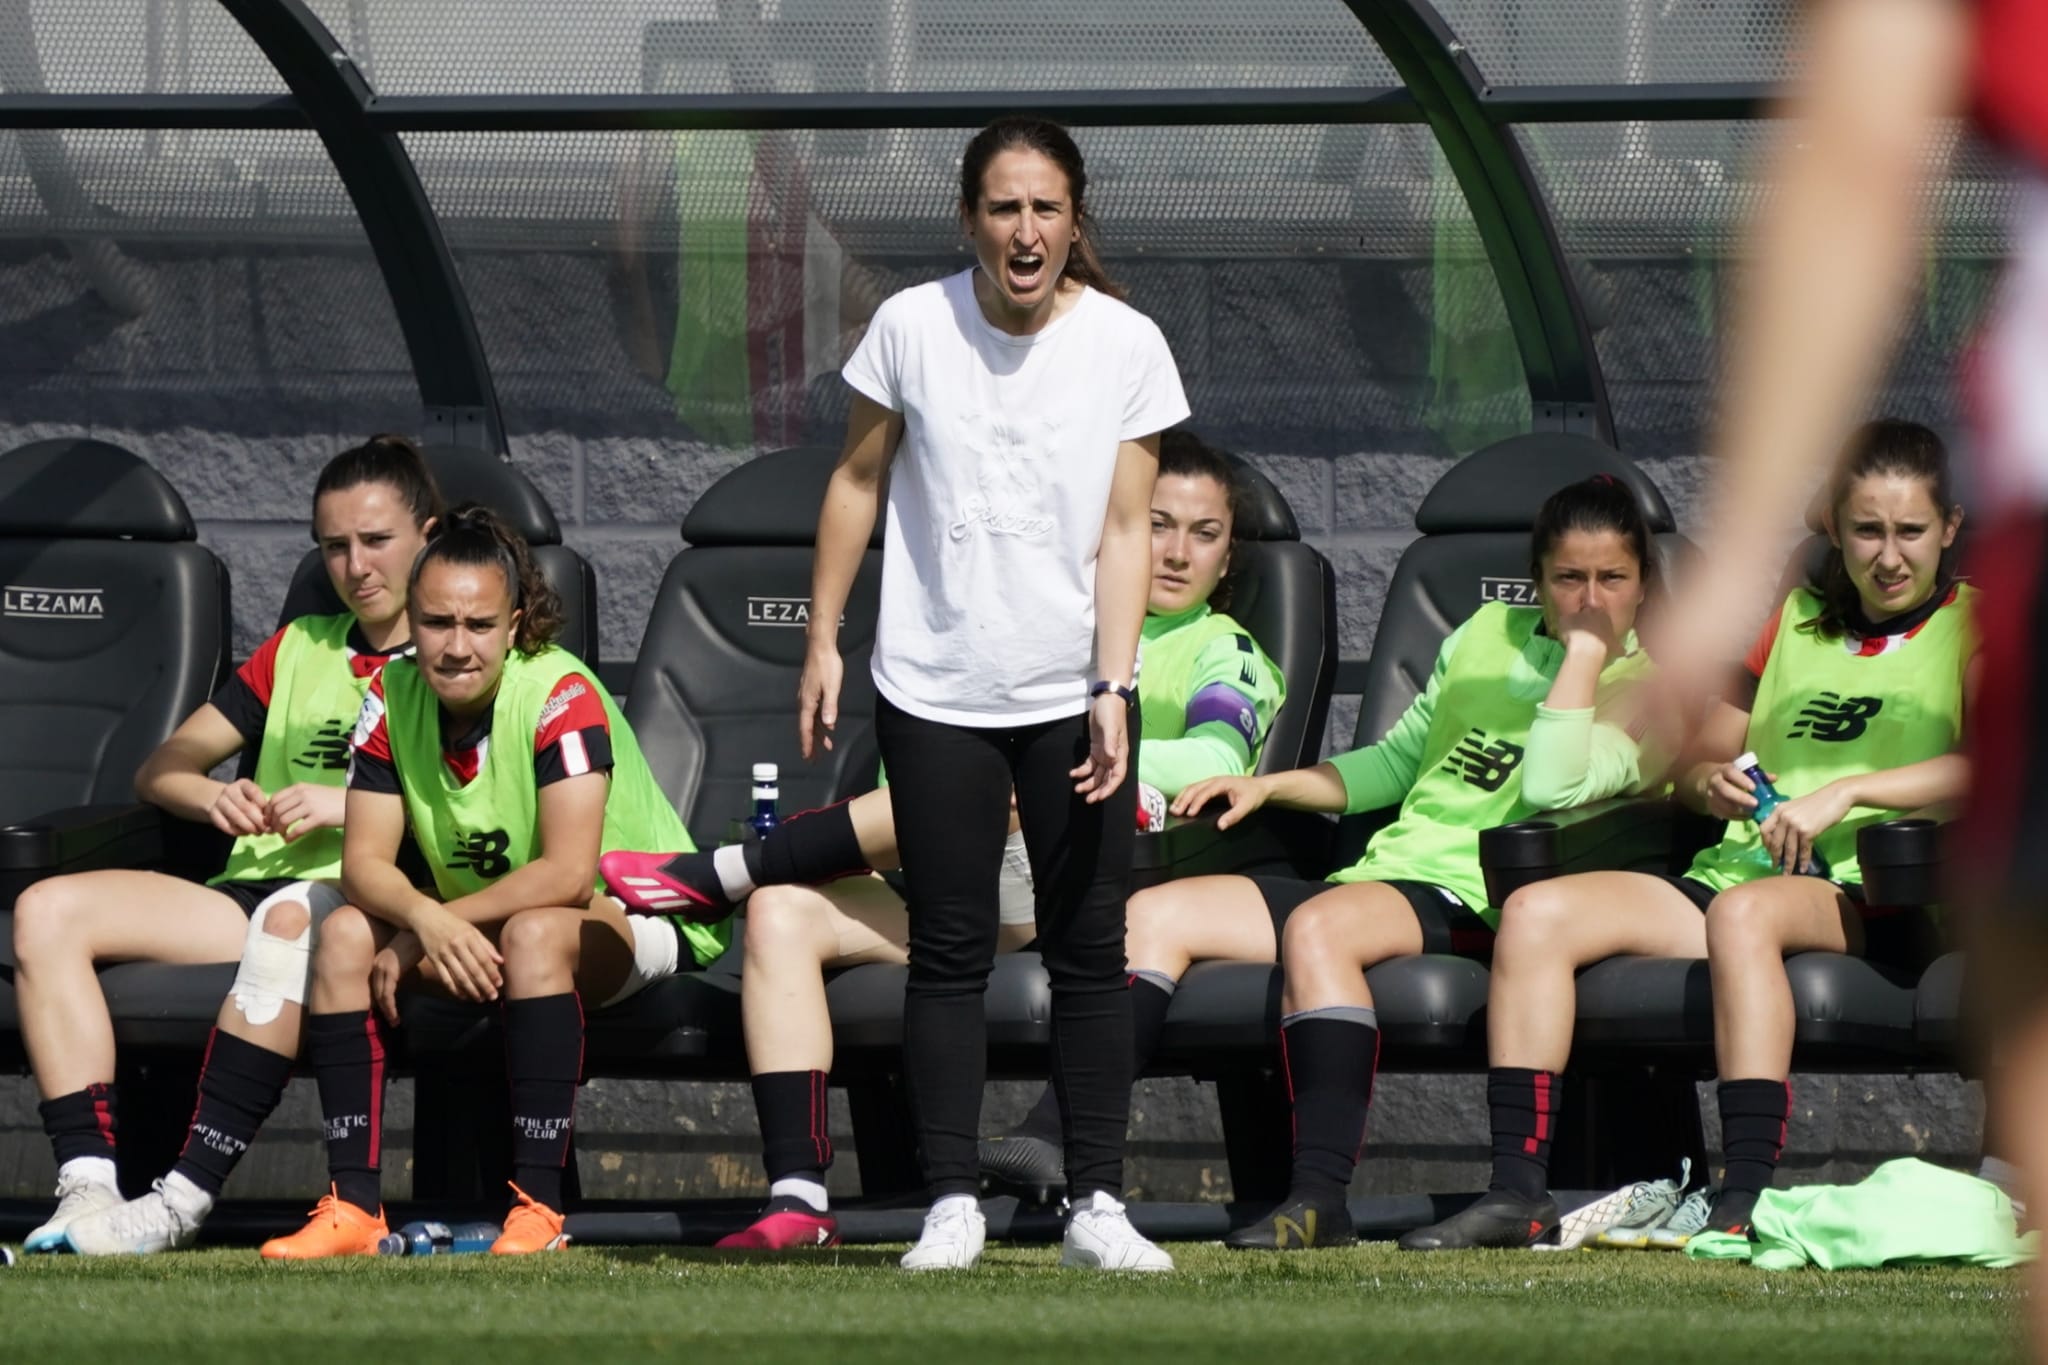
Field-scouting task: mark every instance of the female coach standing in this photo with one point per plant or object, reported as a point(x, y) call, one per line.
point(1016, 408)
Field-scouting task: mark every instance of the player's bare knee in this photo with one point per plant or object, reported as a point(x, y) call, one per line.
point(1314, 933)
point(1741, 921)
point(780, 921)
point(286, 920)
point(537, 939)
point(347, 946)
point(46, 923)
point(1532, 923)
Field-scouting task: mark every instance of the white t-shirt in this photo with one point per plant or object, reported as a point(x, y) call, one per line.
point(998, 493)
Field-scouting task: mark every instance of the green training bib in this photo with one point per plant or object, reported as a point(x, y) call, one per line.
point(1826, 711)
point(314, 697)
point(472, 835)
point(1470, 779)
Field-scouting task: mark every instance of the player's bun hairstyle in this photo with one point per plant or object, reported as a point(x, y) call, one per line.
point(1887, 446)
point(1183, 453)
point(389, 459)
point(1601, 503)
point(1021, 132)
point(474, 536)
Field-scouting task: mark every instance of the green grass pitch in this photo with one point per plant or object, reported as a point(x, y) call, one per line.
point(852, 1306)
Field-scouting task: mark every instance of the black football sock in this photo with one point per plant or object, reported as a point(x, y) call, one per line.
point(81, 1124)
point(1523, 1105)
point(809, 849)
point(240, 1084)
point(544, 1060)
point(1329, 1056)
point(1754, 1115)
point(346, 1052)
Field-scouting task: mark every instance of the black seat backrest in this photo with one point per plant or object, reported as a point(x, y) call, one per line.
point(714, 689)
point(115, 623)
point(467, 475)
point(1285, 594)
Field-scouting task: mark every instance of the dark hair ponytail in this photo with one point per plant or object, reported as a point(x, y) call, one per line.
point(474, 536)
point(1889, 445)
point(1186, 455)
point(1056, 145)
point(388, 459)
point(1601, 503)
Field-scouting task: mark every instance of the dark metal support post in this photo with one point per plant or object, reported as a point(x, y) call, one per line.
point(1566, 390)
point(440, 333)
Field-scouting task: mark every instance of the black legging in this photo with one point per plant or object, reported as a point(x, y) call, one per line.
point(950, 785)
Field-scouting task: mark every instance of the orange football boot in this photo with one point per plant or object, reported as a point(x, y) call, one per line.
point(531, 1226)
point(336, 1228)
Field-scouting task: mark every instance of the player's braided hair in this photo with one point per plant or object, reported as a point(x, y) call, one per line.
point(474, 536)
point(1889, 445)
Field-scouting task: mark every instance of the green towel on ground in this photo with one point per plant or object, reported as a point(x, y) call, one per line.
point(1906, 1213)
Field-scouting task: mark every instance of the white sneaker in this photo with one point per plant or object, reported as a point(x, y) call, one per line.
point(77, 1196)
point(954, 1231)
point(1100, 1237)
point(140, 1227)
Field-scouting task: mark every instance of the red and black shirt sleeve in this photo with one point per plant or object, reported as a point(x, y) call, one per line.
point(245, 697)
point(573, 735)
point(370, 767)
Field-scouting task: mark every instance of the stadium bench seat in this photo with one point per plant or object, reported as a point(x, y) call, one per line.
point(116, 625)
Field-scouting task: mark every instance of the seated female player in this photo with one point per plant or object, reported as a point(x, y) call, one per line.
point(514, 771)
point(296, 698)
point(1852, 699)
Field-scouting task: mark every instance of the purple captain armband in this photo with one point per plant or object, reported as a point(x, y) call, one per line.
point(1220, 702)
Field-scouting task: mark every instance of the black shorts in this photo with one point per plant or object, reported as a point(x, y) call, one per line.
point(248, 895)
point(1908, 940)
point(1448, 924)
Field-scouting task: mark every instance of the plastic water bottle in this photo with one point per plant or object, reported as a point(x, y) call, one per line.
point(428, 1238)
point(1768, 799)
point(767, 789)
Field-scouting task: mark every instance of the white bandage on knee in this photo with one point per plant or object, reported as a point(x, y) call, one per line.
point(273, 969)
point(1016, 900)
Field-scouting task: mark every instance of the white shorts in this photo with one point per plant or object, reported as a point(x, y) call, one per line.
point(657, 953)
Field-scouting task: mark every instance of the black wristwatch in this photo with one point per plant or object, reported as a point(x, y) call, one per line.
point(1098, 688)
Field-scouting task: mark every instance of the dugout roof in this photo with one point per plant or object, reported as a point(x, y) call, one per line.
point(1363, 224)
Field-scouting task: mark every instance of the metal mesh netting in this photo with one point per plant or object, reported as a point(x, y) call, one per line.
point(214, 280)
point(1562, 42)
point(1650, 217)
point(128, 47)
point(719, 46)
point(1322, 287)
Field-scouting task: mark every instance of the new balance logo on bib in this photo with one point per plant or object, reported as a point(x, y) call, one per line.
point(1483, 765)
point(483, 853)
point(1835, 719)
point(328, 748)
